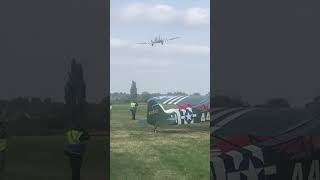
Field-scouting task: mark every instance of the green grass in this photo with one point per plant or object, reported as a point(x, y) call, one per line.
point(42, 158)
point(175, 152)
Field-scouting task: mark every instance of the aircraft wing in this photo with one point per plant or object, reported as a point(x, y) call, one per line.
point(143, 43)
point(173, 38)
point(192, 100)
point(197, 102)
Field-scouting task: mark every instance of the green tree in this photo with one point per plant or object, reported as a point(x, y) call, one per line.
point(47, 100)
point(75, 92)
point(133, 91)
point(226, 101)
point(145, 96)
point(316, 99)
point(179, 94)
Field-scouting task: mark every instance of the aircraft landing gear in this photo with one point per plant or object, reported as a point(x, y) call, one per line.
point(155, 128)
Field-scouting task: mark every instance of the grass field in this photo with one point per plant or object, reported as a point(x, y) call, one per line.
point(176, 152)
point(42, 158)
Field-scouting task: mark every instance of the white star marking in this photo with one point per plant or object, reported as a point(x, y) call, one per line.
point(188, 116)
point(252, 172)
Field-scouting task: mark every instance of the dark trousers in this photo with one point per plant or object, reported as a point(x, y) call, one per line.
point(133, 112)
point(75, 164)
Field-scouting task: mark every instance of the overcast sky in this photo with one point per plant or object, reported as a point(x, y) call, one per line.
point(179, 65)
point(266, 49)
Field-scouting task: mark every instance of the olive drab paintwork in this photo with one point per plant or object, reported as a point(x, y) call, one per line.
point(185, 110)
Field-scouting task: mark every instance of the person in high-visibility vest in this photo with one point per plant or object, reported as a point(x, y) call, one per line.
point(133, 109)
point(75, 148)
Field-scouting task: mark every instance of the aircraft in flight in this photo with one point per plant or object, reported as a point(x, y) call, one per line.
point(158, 40)
point(179, 110)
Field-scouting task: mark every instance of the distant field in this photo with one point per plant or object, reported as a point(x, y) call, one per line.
point(177, 152)
point(42, 158)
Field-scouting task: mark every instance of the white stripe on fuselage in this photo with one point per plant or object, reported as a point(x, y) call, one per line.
point(256, 151)
point(169, 99)
point(229, 119)
point(219, 167)
point(173, 100)
point(236, 157)
point(222, 113)
point(180, 100)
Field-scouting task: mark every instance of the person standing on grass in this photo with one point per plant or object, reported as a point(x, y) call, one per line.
point(133, 109)
point(75, 148)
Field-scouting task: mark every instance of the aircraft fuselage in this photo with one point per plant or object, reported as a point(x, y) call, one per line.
point(157, 41)
point(158, 116)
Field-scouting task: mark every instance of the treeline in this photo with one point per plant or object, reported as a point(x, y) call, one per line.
point(237, 101)
point(278, 102)
point(26, 100)
point(120, 97)
point(36, 116)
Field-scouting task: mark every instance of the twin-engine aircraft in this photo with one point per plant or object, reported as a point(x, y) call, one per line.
point(178, 110)
point(158, 40)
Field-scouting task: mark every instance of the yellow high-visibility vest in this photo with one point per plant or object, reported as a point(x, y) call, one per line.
point(73, 136)
point(3, 144)
point(132, 105)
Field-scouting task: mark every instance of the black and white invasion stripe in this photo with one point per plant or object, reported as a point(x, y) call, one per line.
point(174, 99)
point(222, 116)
